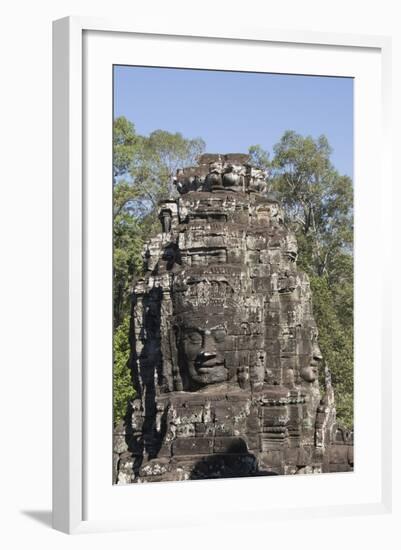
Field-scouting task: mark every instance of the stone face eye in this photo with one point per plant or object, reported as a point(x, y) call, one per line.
point(194, 337)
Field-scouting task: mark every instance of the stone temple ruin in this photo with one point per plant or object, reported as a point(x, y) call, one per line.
point(225, 356)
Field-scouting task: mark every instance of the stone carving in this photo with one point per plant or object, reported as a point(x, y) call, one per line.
point(225, 356)
point(229, 172)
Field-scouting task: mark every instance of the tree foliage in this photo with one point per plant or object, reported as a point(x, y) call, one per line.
point(317, 200)
point(336, 343)
point(123, 390)
point(260, 158)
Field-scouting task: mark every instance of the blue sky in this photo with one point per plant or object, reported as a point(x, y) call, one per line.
point(233, 110)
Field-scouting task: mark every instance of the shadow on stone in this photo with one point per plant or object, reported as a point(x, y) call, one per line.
point(146, 366)
point(237, 461)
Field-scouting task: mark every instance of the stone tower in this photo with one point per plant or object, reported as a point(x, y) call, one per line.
point(225, 356)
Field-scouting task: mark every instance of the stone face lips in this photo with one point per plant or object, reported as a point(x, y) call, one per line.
point(225, 356)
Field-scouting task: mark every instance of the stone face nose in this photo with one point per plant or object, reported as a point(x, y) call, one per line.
point(316, 353)
point(209, 344)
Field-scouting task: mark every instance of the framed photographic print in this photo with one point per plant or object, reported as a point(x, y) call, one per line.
point(218, 319)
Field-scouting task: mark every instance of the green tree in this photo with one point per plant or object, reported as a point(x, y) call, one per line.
point(317, 200)
point(160, 156)
point(126, 143)
point(127, 240)
point(336, 343)
point(123, 390)
point(127, 260)
point(260, 158)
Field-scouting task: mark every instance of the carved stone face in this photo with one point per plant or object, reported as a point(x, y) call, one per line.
point(232, 176)
point(310, 372)
point(202, 352)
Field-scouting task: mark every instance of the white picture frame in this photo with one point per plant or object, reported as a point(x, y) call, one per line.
point(74, 392)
